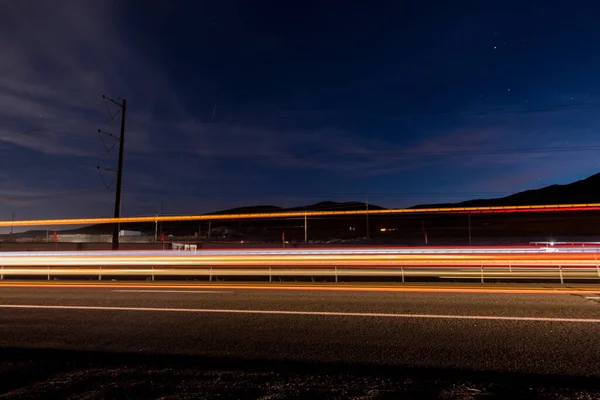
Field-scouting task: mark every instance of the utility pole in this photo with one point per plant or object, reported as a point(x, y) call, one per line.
point(162, 213)
point(367, 203)
point(121, 140)
point(469, 216)
point(305, 230)
point(12, 226)
point(156, 231)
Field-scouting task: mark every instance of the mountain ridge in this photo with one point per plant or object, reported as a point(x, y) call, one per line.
point(583, 191)
point(578, 192)
point(320, 206)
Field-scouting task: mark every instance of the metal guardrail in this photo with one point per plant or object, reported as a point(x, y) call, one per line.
point(308, 251)
point(335, 273)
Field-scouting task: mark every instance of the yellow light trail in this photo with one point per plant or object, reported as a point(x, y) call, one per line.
point(302, 214)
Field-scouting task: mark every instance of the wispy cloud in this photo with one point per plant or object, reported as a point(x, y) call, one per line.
point(52, 77)
point(57, 61)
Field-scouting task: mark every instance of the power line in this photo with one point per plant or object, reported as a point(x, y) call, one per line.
point(303, 115)
point(56, 130)
point(380, 196)
point(312, 195)
point(487, 111)
point(80, 162)
point(50, 196)
point(391, 155)
point(356, 156)
point(467, 152)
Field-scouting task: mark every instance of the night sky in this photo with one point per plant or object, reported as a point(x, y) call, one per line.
point(234, 103)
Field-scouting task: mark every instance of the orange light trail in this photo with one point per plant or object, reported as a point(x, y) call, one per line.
point(302, 214)
point(455, 288)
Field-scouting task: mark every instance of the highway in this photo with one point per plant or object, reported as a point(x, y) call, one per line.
point(427, 331)
point(543, 332)
point(177, 311)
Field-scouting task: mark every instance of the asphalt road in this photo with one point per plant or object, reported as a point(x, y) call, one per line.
point(159, 340)
point(226, 327)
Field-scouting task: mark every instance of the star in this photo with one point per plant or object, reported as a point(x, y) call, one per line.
point(495, 47)
point(509, 89)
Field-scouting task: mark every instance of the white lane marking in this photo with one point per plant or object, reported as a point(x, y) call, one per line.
point(593, 297)
point(308, 313)
point(168, 291)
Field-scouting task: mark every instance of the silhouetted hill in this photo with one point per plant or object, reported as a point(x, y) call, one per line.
point(248, 210)
point(335, 206)
point(579, 192)
point(187, 226)
point(321, 206)
point(583, 191)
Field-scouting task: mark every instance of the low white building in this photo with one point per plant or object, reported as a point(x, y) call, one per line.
point(130, 233)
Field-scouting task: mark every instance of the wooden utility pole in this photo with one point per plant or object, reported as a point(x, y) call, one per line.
point(121, 140)
point(162, 213)
point(305, 229)
point(469, 216)
point(155, 231)
point(367, 204)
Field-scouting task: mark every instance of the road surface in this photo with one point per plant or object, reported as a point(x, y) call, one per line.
point(540, 331)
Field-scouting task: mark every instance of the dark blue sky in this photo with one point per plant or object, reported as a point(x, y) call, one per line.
point(235, 103)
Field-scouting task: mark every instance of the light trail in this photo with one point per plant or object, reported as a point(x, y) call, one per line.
point(308, 214)
point(518, 256)
point(304, 313)
point(319, 251)
point(199, 259)
point(339, 287)
point(472, 263)
point(169, 291)
point(443, 273)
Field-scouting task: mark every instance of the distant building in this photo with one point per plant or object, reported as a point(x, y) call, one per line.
point(130, 233)
point(221, 230)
